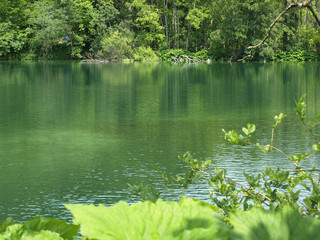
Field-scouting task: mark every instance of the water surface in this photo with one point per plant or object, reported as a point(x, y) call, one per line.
point(78, 133)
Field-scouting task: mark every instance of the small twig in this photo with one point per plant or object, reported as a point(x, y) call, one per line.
point(310, 130)
point(261, 202)
point(272, 136)
point(277, 149)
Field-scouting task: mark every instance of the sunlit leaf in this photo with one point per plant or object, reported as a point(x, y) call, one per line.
point(21, 232)
point(66, 231)
point(264, 225)
point(6, 223)
point(189, 219)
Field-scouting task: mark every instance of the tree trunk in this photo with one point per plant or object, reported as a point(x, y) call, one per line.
point(174, 21)
point(285, 34)
point(165, 7)
point(189, 29)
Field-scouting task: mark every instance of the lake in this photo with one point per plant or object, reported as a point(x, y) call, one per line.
point(74, 132)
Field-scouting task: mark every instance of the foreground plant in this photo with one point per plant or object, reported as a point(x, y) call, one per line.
point(187, 219)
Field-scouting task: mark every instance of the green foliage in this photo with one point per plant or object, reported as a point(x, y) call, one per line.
point(76, 29)
point(147, 21)
point(203, 55)
point(296, 56)
point(145, 192)
point(38, 228)
point(173, 54)
point(47, 28)
point(168, 55)
point(234, 138)
point(284, 224)
point(145, 54)
point(12, 40)
point(196, 16)
point(116, 46)
point(271, 188)
point(188, 219)
point(182, 181)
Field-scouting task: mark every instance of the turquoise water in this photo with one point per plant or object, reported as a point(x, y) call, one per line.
point(78, 133)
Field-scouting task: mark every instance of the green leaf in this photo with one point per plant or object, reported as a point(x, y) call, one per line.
point(65, 230)
point(316, 147)
point(251, 128)
point(245, 130)
point(301, 107)
point(318, 118)
point(6, 223)
point(278, 119)
point(264, 148)
point(284, 224)
point(21, 232)
point(188, 219)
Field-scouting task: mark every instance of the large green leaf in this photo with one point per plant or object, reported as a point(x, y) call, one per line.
point(189, 219)
point(6, 223)
point(21, 232)
point(66, 231)
point(286, 224)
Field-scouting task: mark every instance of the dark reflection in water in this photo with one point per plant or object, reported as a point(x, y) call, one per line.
point(78, 133)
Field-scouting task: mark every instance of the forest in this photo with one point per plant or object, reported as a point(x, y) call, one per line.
point(153, 30)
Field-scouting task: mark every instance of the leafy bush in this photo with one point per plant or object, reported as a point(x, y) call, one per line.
point(12, 41)
point(296, 56)
point(145, 54)
point(172, 55)
point(116, 46)
point(203, 55)
point(168, 55)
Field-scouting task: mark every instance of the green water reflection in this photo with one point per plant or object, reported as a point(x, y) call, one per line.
point(74, 132)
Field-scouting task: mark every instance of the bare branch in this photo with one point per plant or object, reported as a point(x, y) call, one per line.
point(248, 56)
point(314, 14)
point(291, 5)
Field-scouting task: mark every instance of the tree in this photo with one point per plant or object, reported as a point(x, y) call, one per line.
point(147, 22)
point(116, 46)
point(289, 5)
point(47, 27)
point(12, 40)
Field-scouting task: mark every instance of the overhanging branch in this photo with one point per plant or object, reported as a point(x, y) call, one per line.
point(294, 4)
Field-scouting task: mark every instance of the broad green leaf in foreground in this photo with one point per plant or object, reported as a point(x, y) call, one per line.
point(20, 232)
point(6, 223)
point(189, 219)
point(286, 224)
point(65, 230)
point(38, 228)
